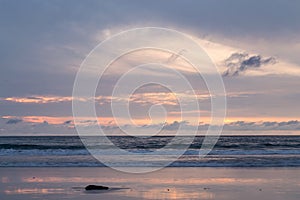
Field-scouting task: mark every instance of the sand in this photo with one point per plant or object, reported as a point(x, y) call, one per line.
point(168, 183)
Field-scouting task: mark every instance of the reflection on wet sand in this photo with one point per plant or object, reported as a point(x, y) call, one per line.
point(191, 181)
point(34, 191)
point(157, 188)
point(169, 183)
point(171, 193)
point(4, 179)
point(154, 193)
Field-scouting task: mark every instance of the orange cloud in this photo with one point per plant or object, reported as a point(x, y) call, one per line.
point(38, 99)
point(141, 121)
point(41, 119)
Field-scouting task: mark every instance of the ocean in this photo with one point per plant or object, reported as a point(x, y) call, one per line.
point(230, 151)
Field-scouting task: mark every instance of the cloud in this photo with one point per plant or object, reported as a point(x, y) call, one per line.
point(238, 63)
point(243, 125)
point(174, 126)
point(174, 56)
point(68, 122)
point(38, 99)
point(14, 127)
point(14, 121)
point(292, 125)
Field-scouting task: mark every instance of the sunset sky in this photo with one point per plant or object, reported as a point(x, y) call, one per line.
point(255, 46)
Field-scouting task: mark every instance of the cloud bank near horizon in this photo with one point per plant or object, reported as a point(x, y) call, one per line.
point(18, 126)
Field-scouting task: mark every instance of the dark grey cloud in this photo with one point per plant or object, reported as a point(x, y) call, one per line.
point(292, 125)
point(67, 122)
point(240, 126)
point(14, 121)
point(237, 63)
point(268, 125)
point(175, 125)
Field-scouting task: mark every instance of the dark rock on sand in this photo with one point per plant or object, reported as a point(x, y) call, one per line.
point(96, 187)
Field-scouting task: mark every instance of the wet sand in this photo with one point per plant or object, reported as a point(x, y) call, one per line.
point(168, 183)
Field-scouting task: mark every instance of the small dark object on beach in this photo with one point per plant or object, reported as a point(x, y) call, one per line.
point(168, 189)
point(96, 187)
point(206, 188)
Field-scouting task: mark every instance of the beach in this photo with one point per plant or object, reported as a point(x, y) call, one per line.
point(168, 183)
point(149, 100)
point(239, 167)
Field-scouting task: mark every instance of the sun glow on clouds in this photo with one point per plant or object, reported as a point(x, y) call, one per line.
point(86, 121)
point(219, 53)
point(65, 126)
point(145, 97)
point(38, 99)
point(216, 51)
point(41, 119)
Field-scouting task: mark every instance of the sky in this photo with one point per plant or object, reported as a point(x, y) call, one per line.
point(255, 46)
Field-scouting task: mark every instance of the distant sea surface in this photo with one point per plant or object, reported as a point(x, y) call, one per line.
point(230, 151)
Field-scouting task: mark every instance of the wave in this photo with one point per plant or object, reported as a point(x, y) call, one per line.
point(71, 152)
point(41, 147)
point(236, 151)
point(194, 161)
